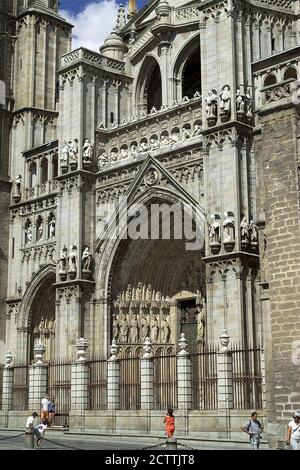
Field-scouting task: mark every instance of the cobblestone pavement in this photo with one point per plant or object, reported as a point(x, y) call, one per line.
point(12, 440)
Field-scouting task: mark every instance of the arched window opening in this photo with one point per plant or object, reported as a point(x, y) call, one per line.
point(290, 73)
point(32, 175)
point(191, 75)
point(44, 171)
point(153, 90)
point(55, 166)
point(270, 80)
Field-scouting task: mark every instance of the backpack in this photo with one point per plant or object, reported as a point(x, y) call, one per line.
point(249, 425)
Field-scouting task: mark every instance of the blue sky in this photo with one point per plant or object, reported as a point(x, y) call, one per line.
point(93, 20)
point(75, 6)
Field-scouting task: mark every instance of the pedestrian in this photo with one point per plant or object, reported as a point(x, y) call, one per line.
point(51, 411)
point(30, 421)
point(293, 436)
point(44, 408)
point(39, 432)
point(170, 423)
point(254, 428)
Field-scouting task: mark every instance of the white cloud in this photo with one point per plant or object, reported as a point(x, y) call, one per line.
point(93, 24)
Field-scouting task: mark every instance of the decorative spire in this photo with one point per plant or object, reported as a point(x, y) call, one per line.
point(132, 8)
point(121, 18)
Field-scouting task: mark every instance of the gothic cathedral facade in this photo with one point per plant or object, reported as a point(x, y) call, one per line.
point(187, 104)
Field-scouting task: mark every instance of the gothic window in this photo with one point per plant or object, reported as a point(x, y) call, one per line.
point(191, 75)
point(55, 165)
point(44, 171)
point(270, 80)
point(153, 91)
point(32, 175)
point(290, 72)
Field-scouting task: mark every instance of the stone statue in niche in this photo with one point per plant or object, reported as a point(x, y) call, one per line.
point(28, 232)
point(164, 140)
point(115, 327)
point(124, 328)
point(17, 192)
point(240, 104)
point(64, 155)
point(73, 154)
point(197, 130)
point(102, 161)
point(41, 328)
point(134, 329)
point(51, 224)
point(123, 154)
point(87, 261)
point(228, 226)
point(87, 152)
point(133, 151)
point(51, 327)
point(149, 293)
point(244, 230)
point(211, 107)
point(225, 103)
point(154, 144)
point(165, 330)
point(143, 147)
point(186, 134)
point(154, 327)
point(39, 229)
point(62, 268)
point(72, 261)
point(144, 328)
point(214, 230)
point(200, 323)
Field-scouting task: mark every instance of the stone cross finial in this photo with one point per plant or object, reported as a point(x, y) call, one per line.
point(39, 351)
point(183, 344)
point(113, 350)
point(8, 360)
point(147, 348)
point(81, 346)
point(224, 340)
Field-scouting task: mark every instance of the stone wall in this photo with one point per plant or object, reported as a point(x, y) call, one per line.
point(278, 196)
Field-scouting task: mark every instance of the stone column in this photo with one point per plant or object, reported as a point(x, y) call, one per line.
point(147, 391)
point(8, 380)
point(80, 378)
point(113, 379)
point(37, 378)
point(225, 385)
point(184, 376)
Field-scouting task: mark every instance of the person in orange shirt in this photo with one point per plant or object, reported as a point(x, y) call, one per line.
point(170, 423)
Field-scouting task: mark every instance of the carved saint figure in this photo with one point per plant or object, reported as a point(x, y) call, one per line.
point(73, 151)
point(124, 328)
point(253, 231)
point(51, 327)
point(244, 229)
point(164, 140)
point(144, 328)
point(186, 134)
point(28, 233)
point(65, 153)
point(87, 150)
point(123, 154)
point(72, 259)
point(174, 139)
point(197, 130)
point(200, 323)
point(63, 260)
point(214, 230)
point(133, 151)
point(18, 182)
point(102, 161)
point(134, 329)
point(41, 328)
point(165, 330)
point(87, 259)
point(228, 225)
point(154, 328)
point(154, 144)
point(115, 327)
point(143, 147)
point(52, 227)
point(211, 103)
point(39, 229)
point(240, 105)
point(225, 100)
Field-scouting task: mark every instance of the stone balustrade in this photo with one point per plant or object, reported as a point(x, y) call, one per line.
point(159, 130)
point(91, 58)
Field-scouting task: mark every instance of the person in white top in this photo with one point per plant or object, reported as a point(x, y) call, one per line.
point(39, 431)
point(293, 437)
point(44, 407)
point(29, 423)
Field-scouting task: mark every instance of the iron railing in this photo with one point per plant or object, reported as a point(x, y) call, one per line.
point(247, 378)
point(130, 383)
point(59, 387)
point(165, 382)
point(98, 384)
point(20, 388)
point(205, 379)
